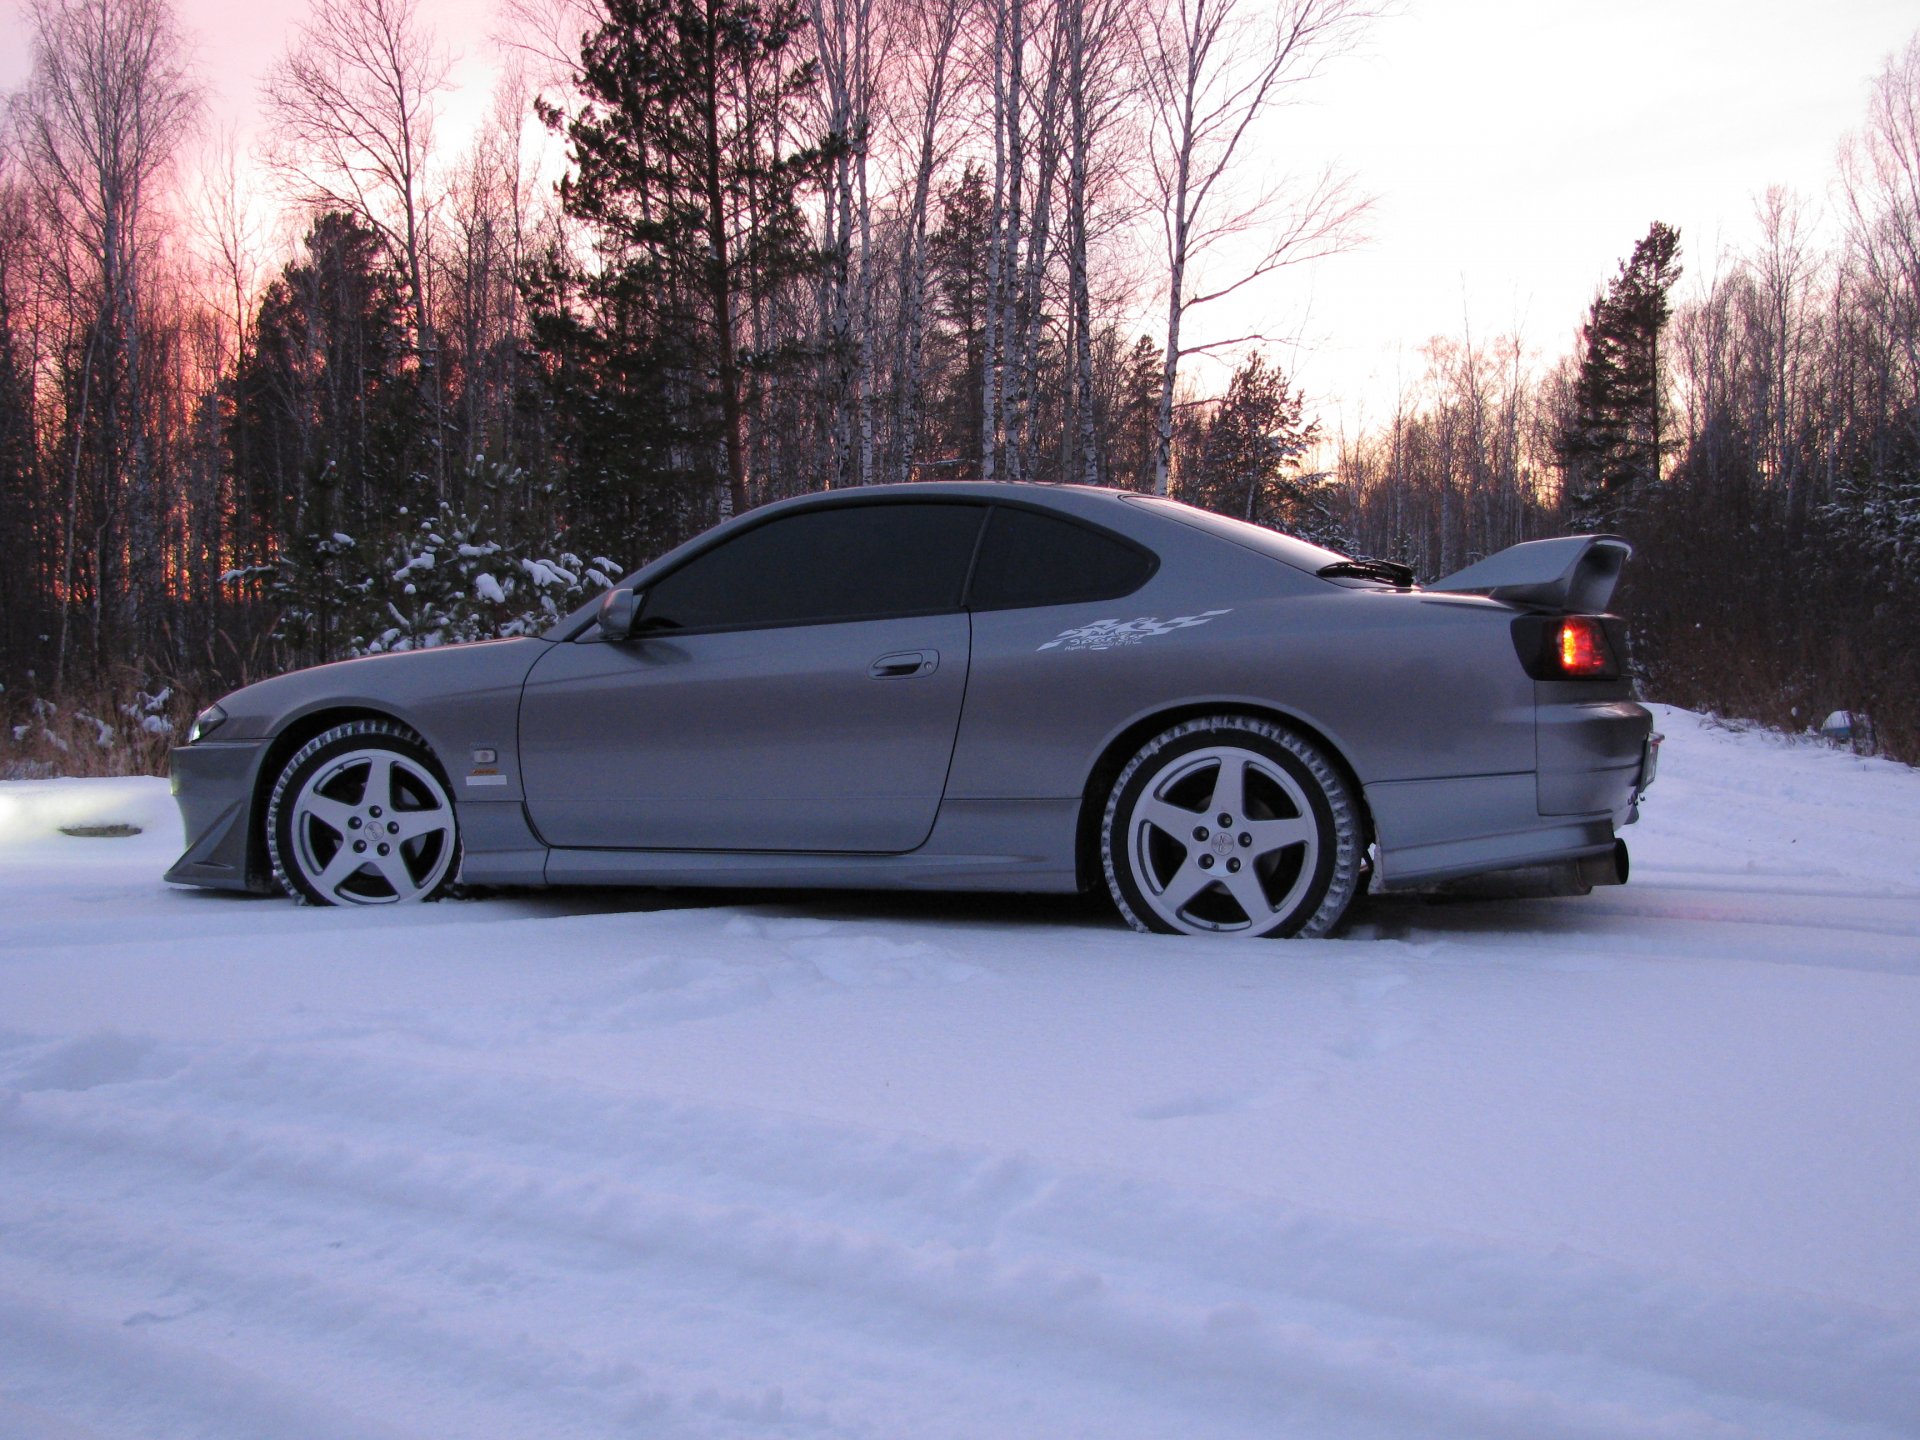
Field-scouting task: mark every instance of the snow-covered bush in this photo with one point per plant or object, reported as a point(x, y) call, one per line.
point(472, 573)
point(476, 569)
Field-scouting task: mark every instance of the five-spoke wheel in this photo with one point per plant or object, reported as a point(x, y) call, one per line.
point(360, 816)
point(1231, 825)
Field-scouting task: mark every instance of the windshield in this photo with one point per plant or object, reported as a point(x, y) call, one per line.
point(1301, 554)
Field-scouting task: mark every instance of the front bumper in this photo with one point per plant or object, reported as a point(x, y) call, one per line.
point(214, 785)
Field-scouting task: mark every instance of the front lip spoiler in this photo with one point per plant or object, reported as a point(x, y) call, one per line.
point(213, 784)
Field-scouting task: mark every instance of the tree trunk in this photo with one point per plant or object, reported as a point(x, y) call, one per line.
point(720, 282)
point(1080, 421)
point(1005, 117)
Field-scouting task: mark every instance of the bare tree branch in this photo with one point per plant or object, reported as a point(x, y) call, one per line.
point(353, 104)
point(1213, 70)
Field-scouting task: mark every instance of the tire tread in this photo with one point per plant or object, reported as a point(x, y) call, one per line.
point(391, 730)
point(1342, 884)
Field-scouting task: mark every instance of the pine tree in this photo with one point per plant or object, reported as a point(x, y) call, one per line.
point(1612, 443)
point(21, 618)
point(681, 176)
point(1135, 444)
point(474, 571)
point(1250, 457)
point(328, 454)
point(958, 344)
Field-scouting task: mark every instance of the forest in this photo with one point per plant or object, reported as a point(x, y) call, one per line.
point(360, 387)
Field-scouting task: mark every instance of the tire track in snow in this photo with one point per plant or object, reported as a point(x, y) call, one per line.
point(136, 1384)
point(947, 1194)
point(1613, 928)
point(1296, 1311)
point(355, 1348)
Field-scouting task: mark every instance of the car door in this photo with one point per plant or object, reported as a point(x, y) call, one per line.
point(797, 687)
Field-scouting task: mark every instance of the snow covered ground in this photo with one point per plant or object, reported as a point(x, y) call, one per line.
point(1641, 1164)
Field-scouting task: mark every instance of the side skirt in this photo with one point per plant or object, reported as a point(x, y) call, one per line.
point(1011, 845)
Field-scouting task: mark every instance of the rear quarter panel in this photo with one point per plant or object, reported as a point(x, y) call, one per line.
point(1403, 686)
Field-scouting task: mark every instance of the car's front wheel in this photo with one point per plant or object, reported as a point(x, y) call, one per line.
point(1231, 825)
point(361, 816)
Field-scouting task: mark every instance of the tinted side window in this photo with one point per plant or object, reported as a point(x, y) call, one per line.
point(1032, 559)
point(857, 562)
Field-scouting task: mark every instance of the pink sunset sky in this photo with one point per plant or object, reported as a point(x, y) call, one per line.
point(1517, 149)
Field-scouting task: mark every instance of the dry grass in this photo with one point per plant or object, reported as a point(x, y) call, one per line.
point(123, 725)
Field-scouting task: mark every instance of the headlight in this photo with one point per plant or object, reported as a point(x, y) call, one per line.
point(206, 722)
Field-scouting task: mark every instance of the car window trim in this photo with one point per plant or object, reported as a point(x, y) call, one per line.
point(592, 637)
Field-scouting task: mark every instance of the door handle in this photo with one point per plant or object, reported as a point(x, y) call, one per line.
point(905, 663)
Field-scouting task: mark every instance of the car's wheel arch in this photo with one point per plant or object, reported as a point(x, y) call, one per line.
point(1126, 743)
point(287, 742)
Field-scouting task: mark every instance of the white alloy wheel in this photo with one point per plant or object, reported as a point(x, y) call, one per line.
point(360, 816)
point(1229, 825)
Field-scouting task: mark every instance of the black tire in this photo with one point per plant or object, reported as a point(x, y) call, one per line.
point(1287, 863)
point(366, 788)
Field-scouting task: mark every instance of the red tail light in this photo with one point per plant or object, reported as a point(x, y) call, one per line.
point(1581, 647)
point(1570, 647)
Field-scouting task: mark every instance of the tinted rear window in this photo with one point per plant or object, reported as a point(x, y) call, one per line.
point(1029, 558)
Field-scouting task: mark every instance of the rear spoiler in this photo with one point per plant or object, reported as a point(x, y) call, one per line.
point(1573, 574)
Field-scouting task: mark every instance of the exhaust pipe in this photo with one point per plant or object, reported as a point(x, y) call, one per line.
point(1606, 869)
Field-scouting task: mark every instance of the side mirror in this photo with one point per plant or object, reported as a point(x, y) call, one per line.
point(618, 610)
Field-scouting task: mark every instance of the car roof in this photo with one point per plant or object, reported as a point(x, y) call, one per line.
point(948, 490)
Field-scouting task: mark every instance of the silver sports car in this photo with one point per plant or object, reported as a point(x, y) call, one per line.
point(966, 687)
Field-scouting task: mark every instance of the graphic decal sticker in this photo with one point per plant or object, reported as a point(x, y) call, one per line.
point(1109, 634)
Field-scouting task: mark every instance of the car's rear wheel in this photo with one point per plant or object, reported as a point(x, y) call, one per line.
point(1231, 825)
point(360, 815)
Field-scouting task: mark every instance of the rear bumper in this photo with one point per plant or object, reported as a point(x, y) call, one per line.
point(1433, 830)
point(1591, 753)
point(213, 784)
point(1596, 757)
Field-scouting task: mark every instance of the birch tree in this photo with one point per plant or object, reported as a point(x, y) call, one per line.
point(1029, 256)
point(1006, 63)
point(353, 105)
point(1099, 44)
point(1880, 189)
point(846, 38)
point(483, 250)
point(1214, 69)
point(106, 110)
point(931, 32)
point(1785, 270)
point(226, 233)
